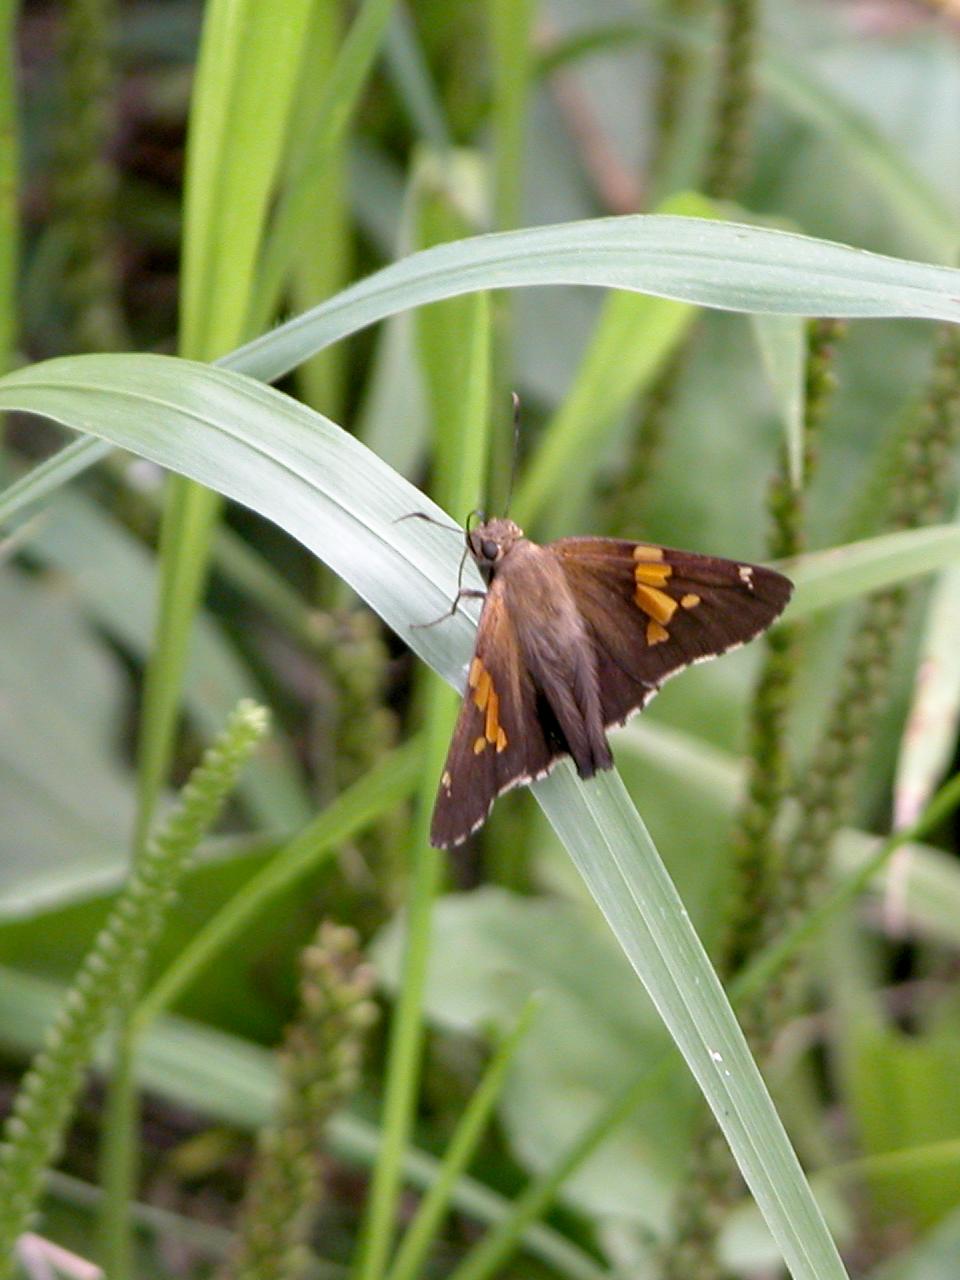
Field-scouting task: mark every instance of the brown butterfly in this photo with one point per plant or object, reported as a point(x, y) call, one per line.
point(574, 638)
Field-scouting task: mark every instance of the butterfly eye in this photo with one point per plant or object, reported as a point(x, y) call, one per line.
point(490, 549)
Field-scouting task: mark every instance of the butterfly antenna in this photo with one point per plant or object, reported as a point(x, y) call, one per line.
point(516, 448)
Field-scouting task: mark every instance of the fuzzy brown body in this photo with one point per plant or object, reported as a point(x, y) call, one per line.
point(574, 637)
point(555, 645)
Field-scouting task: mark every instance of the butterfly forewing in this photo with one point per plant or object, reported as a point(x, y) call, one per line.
point(653, 611)
point(500, 738)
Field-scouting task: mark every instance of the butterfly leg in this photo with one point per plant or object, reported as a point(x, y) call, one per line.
point(422, 515)
point(465, 593)
point(469, 593)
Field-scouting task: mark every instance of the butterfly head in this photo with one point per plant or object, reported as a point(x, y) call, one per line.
point(489, 542)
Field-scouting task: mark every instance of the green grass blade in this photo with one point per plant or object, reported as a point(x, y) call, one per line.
point(411, 74)
point(826, 578)
point(323, 259)
point(510, 41)
point(534, 1200)
point(326, 489)
point(246, 77)
point(109, 973)
point(461, 356)
point(722, 265)
point(454, 352)
point(725, 265)
point(47, 477)
point(783, 348)
point(234, 1081)
point(633, 337)
point(412, 1254)
point(613, 852)
point(333, 114)
point(405, 1047)
point(279, 458)
point(9, 185)
point(189, 517)
point(390, 782)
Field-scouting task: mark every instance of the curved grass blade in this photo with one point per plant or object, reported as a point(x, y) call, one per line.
point(48, 476)
point(255, 445)
point(724, 265)
point(721, 265)
point(825, 578)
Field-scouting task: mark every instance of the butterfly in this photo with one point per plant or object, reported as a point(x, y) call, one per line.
point(574, 637)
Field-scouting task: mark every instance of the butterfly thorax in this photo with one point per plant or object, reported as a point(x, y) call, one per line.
point(528, 585)
point(530, 581)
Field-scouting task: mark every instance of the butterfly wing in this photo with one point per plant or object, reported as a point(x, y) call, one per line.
point(503, 736)
point(653, 611)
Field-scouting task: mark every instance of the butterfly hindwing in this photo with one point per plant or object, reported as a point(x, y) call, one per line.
point(501, 735)
point(653, 611)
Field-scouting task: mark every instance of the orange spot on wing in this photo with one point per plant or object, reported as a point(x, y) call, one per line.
point(690, 601)
point(487, 700)
point(492, 726)
point(652, 575)
point(656, 604)
point(655, 633)
point(642, 552)
point(483, 688)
